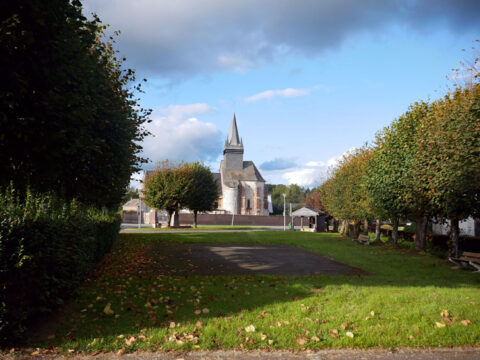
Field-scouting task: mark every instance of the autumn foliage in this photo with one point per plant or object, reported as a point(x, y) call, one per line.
point(424, 166)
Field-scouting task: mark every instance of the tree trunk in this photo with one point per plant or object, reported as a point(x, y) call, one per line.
point(421, 233)
point(395, 231)
point(176, 221)
point(345, 228)
point(335, 225)
point(454, 235)
point(356, 230)
point(169, 217)
point(377, 231)
point(365, 227)
point(195, 212)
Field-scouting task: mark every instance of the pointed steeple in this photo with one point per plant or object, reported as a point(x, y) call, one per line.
point(233, 138)
point(233, 150)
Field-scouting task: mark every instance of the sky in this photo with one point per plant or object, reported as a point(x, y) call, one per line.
point(307, 79)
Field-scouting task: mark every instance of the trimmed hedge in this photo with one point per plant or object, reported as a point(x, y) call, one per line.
point(47, 247)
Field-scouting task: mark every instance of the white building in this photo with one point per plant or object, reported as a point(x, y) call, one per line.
point(243, 189)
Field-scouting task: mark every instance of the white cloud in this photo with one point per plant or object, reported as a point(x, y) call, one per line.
point(178, 135)
point(315, 164)
point(270, 94)
point(305, 176)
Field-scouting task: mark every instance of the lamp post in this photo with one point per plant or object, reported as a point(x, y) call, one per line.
point(284, 212)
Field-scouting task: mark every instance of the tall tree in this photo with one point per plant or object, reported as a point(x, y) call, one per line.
point(69, 118)
point(391, 183)
point(448, 158)
point(203, 190)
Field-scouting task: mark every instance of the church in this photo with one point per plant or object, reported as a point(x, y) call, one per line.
point(243, 189)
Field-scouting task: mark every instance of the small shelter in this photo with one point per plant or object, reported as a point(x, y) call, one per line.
point(316, 219)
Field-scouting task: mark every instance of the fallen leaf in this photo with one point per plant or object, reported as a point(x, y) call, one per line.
point(197, 312)
point(270, 342)
point(439, 324)
point(205, 310)
point(315, 338)
point(198, 324)
point(372, 313)
point(444, 313)
point(263, 336)
point(250, 328)
point(334, 333)
point(278, 323)
point(466, 322)
point(349, 334)
point(301, 340)
point(36, 352)
point(130, 340)
point(121, 351)
point(107, 310)
point(172, 324)
point(262, 315)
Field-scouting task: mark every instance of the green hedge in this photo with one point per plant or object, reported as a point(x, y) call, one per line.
point(47, 247)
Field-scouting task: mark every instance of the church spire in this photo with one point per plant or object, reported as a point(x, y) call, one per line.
point(233, 138)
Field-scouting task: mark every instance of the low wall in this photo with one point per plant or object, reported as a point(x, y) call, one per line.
point(247, 220)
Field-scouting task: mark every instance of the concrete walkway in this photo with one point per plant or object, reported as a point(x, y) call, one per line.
point(465, 353)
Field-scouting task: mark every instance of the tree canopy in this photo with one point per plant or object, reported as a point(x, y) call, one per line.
point(68, 113)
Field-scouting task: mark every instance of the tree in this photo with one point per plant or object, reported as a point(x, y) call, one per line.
point(277, 198)
point(314, 199)
point(448, 158)
point(69, 119)
point(203, 191)
point(168, 187)
point(391, 182)
point(345, 195)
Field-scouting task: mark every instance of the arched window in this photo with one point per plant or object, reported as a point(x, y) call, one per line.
point(248, 203)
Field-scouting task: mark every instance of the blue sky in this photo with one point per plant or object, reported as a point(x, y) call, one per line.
point(308, 80)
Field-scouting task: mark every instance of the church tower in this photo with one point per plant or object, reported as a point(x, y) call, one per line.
point(233, 149)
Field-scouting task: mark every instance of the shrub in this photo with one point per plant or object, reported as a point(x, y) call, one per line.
point(47, 246)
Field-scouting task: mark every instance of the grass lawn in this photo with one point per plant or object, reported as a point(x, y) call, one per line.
point(412, 300)
point(205, 227)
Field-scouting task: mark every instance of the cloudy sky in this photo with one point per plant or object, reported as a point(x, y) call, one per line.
point(307, 79)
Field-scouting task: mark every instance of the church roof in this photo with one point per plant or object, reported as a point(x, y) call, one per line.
point(250, 171)
point(233, 138)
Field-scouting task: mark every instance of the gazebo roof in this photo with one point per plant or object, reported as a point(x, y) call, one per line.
point(307, 211)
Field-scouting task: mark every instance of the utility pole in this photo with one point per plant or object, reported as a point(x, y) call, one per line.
point(284, 212)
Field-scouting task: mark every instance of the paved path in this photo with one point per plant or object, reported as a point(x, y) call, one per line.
point(243, 259)
point(468, 353)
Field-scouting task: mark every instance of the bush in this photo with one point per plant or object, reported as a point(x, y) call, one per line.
point(47, 246)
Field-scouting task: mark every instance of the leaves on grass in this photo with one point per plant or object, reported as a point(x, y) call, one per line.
point(466, 322)
point(349, 334)
point(444, 313)
point(439, 324)
point(334, 333)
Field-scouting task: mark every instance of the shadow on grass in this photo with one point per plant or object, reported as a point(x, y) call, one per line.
point(151, 280)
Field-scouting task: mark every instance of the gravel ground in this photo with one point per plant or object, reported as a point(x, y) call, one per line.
point(467, 353)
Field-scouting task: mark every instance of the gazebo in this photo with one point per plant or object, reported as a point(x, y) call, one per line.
point(316, 218)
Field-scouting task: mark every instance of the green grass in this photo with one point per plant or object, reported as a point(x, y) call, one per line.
point(398, 306)
point(206, 227)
